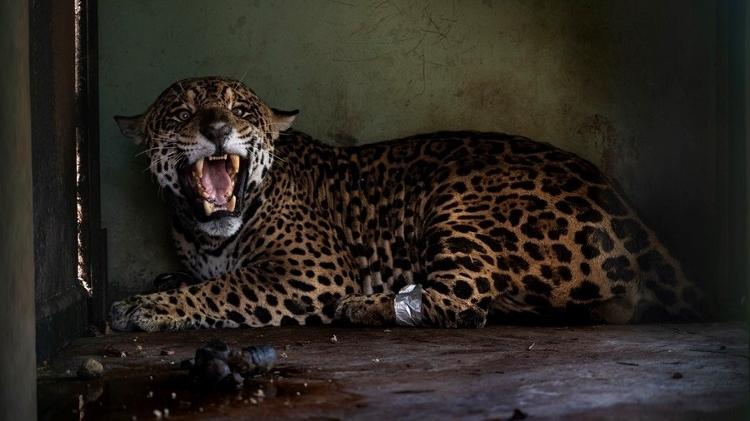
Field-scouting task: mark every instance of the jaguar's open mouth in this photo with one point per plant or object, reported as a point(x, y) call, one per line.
point(214, 185)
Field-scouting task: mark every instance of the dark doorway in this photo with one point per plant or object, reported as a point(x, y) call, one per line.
point(65, 177)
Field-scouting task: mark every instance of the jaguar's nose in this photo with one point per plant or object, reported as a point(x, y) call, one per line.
point(217, 132)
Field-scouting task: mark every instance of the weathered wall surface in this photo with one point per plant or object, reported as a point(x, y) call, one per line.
point(630, 86)
point(17, 328)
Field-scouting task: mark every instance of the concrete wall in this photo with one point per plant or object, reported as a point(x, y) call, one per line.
point(628, 85)
point(17, 358)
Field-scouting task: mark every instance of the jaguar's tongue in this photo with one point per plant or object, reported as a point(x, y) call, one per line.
point(213, 179)
point(217, 182)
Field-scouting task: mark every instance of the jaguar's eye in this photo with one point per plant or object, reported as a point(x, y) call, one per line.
point(183, 115)
point(238, 111)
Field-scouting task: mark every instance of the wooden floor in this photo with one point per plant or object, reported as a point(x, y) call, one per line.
point(696, 371)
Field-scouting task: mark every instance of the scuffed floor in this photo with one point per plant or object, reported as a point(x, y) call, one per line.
point(696, 371)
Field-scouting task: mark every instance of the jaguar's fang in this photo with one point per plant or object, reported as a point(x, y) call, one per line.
point(235, 160)
point(208, 207)
point(199, 167)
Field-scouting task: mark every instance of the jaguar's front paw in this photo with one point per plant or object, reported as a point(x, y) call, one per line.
point(367, 310)
point(127, 314)
point(140, 313)
point(471, 318)
point(343, 313)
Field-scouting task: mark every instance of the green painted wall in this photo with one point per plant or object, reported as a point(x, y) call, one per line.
point(628, 85)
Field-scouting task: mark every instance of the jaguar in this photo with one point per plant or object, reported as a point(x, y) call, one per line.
point(277, 228)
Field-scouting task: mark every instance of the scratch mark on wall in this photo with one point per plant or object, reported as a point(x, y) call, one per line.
point(345, 3)
point(419, 34)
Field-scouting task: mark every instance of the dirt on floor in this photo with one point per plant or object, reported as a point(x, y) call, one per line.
point(695, 371)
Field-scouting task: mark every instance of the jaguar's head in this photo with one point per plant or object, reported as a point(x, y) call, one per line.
point(208, 140)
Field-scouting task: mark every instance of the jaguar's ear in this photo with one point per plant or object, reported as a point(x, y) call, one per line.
point(281, 120)
point(131, 127)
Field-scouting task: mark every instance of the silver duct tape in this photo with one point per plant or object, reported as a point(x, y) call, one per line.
point(408, 305)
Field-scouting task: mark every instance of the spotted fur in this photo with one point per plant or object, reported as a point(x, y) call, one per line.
point(489, 224)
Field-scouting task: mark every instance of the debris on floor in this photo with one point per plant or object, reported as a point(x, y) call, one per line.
point(111, 351)
point(90, 369)
point(218, 365)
